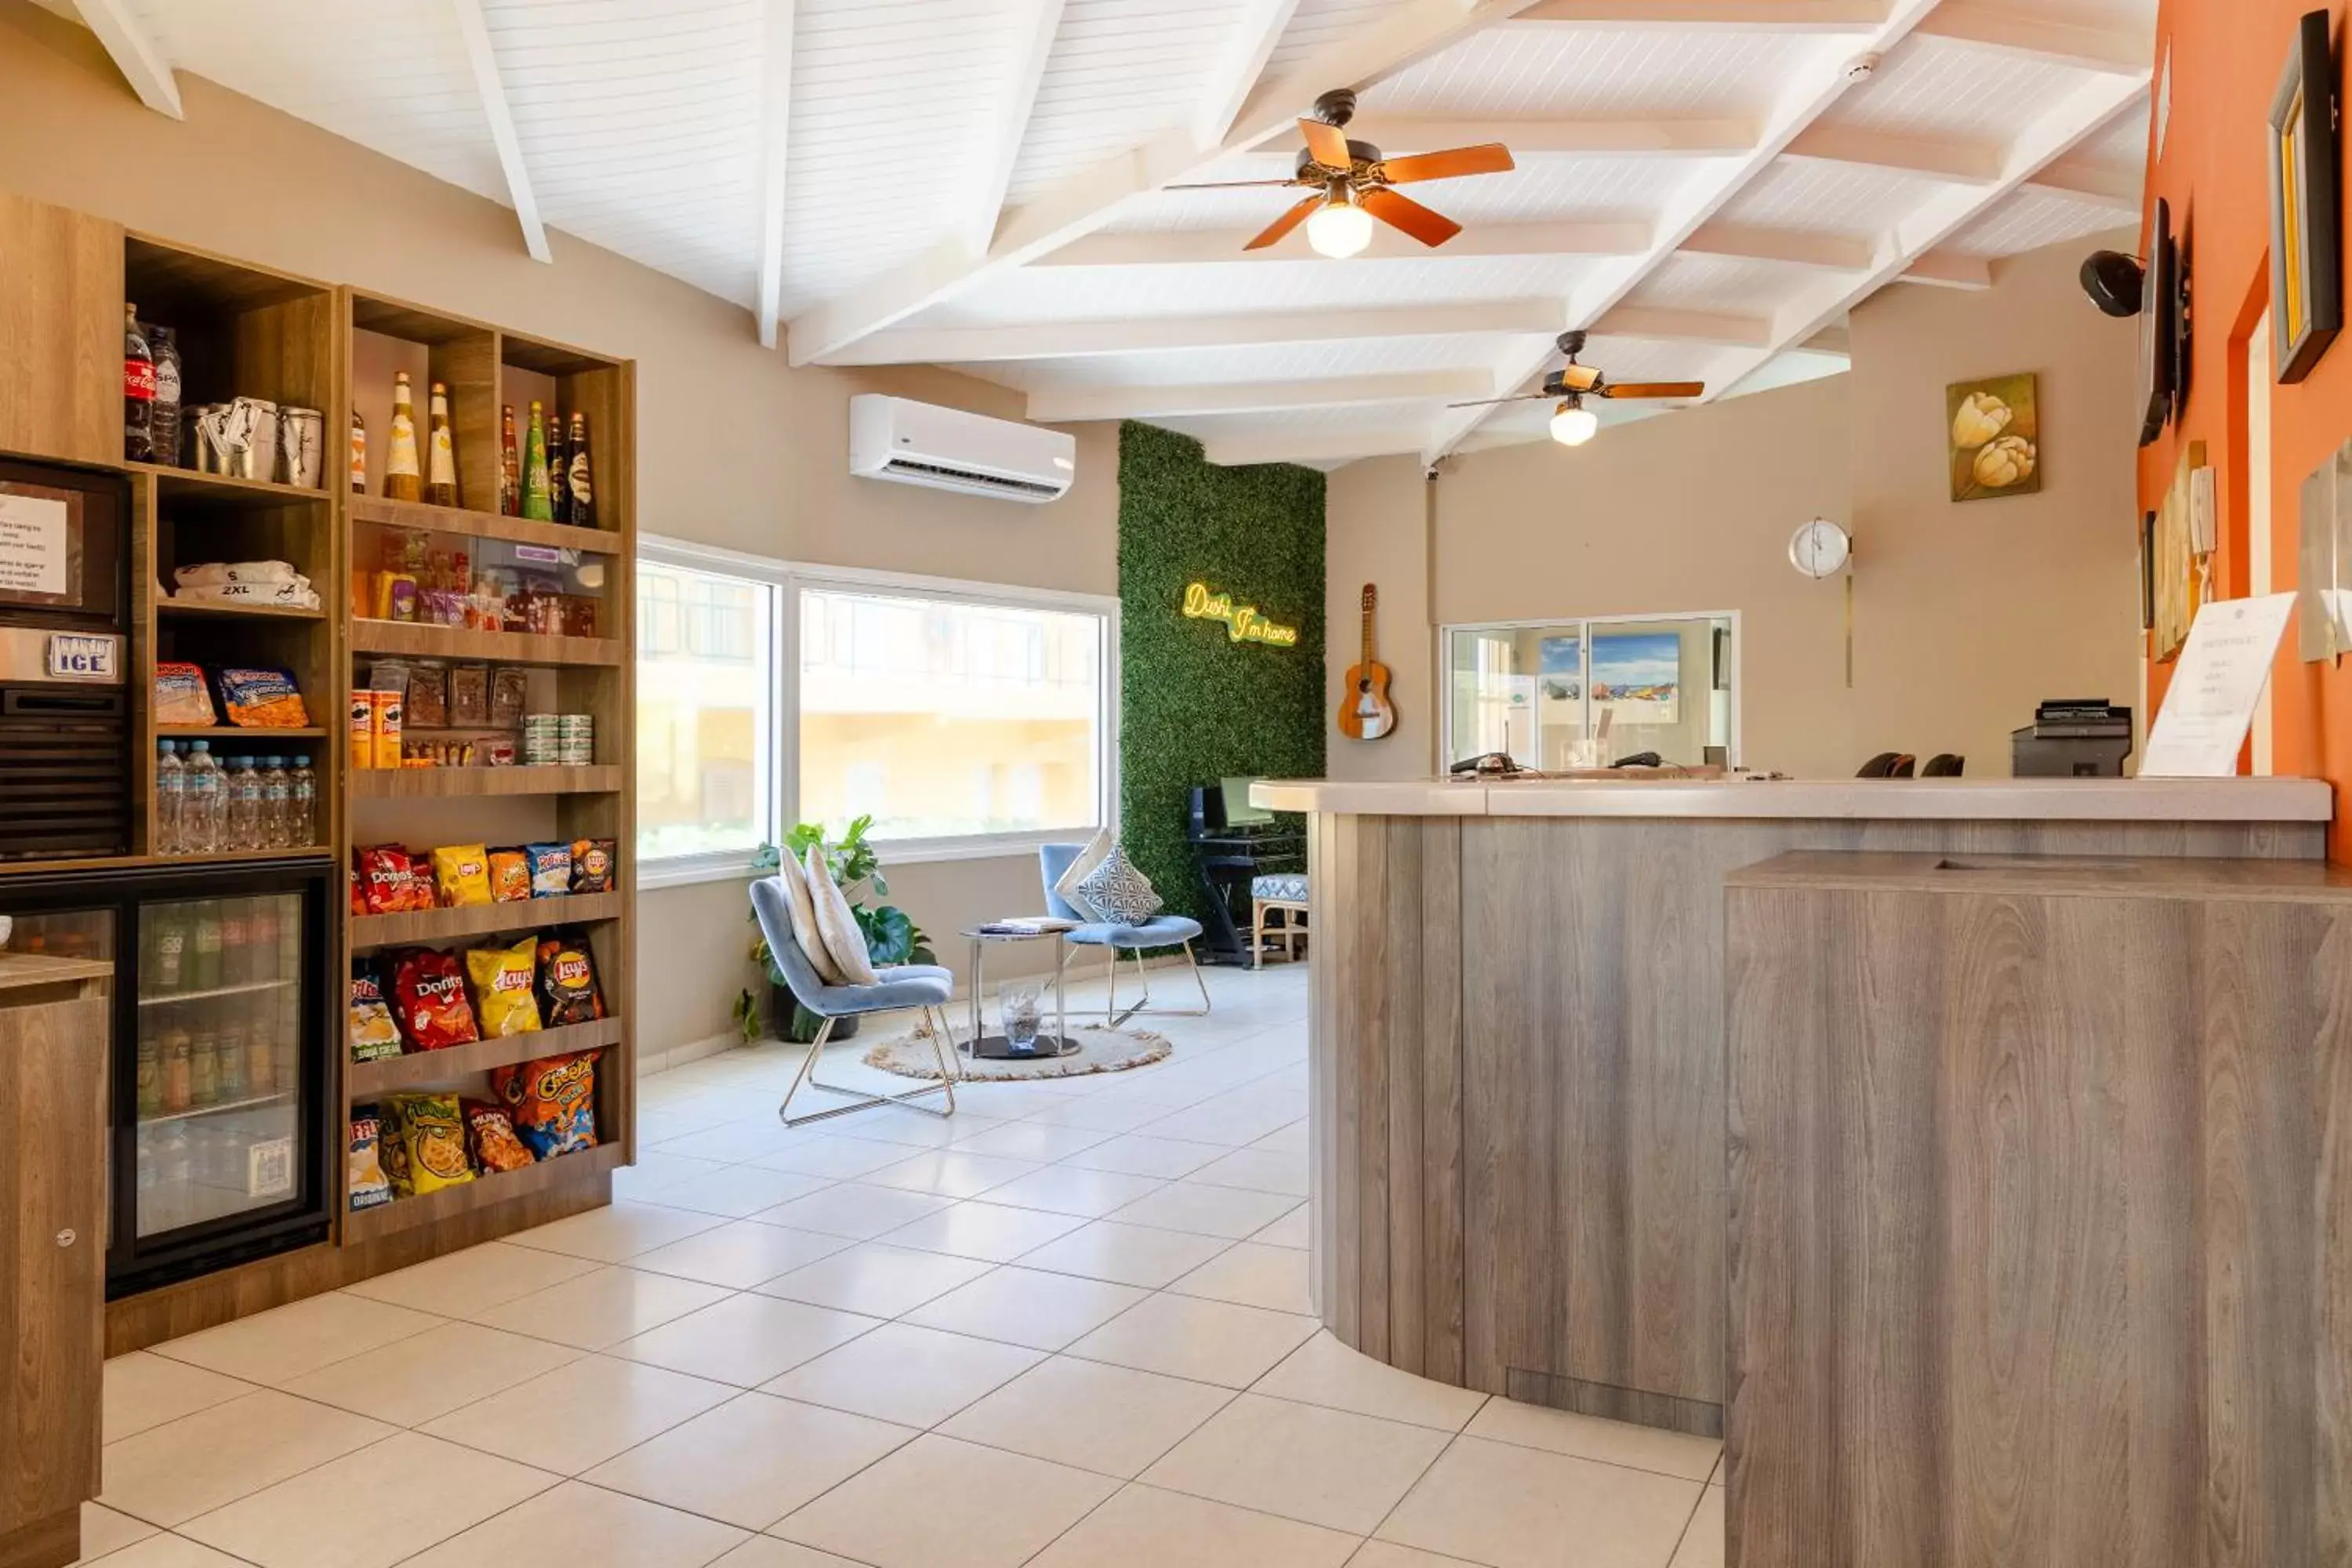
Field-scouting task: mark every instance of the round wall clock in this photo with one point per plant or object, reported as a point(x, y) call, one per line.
point(1820, 547)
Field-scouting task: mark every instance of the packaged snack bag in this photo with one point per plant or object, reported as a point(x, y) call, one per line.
point(374, 1035)
point(461, 874)
point(509, 876)
point(383, 722)
point(181, 697)
point(391, 1149)
point(509, 695)
point(551, 869)
point(262, 699)
point(470, 695)
point(552, 1100)
point(591, 865)
point(491, 1134)
point(370, 1186)
point(363, 726)
point(384, 872)
point(359, 900)
point(428, 997)
point(502, 988)
point(433, 1138)
point(567, 981)
point(428, 697)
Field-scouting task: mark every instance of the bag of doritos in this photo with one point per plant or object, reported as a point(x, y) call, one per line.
point(429, 998)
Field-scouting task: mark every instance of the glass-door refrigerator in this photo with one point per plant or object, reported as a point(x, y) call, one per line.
point(218, 1151)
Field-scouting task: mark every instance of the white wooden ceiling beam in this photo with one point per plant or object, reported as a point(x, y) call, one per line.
point(1950, 269)
point(1255, 33)
point(1728, 15)
point(2076, 118)
point(142, 65)
point(1398, 134)
point(1160, 334)
point(1238, 451)
point(1958, 162)
point(1063, 405)
point(1195, 247)
point(1083, 203)
point(1818, 84)
point(1685, 327)
point(1039, 22)
point(2014, 30)
point(491, 86)
point(1798, 247)
point(2096, 182)
point(776, 136)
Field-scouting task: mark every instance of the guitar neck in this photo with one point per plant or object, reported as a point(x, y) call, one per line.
point(1368, 635)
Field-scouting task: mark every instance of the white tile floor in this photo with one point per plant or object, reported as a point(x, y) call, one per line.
point(1067, 1327)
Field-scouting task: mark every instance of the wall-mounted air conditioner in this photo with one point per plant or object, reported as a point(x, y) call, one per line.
point(948, 450)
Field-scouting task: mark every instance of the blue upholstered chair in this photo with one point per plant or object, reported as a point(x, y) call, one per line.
point(1159, 930)
point(916, 987)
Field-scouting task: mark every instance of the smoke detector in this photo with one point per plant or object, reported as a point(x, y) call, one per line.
point(1862, 67)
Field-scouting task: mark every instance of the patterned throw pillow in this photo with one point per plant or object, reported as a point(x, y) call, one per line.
point(1122, 893)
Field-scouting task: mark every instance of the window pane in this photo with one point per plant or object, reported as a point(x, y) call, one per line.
point(705, 703)
point(945, 719)
point(1532, 692)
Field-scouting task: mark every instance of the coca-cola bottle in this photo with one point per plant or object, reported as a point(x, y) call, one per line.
point(138, 392)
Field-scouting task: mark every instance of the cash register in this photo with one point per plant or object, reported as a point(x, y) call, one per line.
point(2073, 737)
point(1233, 844)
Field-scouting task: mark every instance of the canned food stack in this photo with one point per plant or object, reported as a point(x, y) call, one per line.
point(559, 740)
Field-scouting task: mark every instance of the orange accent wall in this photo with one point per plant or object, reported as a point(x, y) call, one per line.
point(2227, 57)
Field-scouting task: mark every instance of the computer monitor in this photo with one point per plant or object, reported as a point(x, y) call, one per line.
point(1239, 812)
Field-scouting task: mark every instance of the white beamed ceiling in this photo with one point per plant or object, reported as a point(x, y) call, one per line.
point(1649, 205)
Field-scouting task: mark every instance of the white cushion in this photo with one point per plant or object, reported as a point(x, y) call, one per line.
point(1096, 851)
point(842, 939)
point(1123, 894)
point(805, 935)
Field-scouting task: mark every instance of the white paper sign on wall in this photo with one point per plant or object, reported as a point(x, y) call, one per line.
point(2209, 705)
point(33, 542)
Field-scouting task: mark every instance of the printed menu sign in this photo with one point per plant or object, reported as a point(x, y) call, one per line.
point(33, 541)
point(2209, 705)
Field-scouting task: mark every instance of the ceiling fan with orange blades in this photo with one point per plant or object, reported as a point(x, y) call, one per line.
point(1352, 181)
point(1572, 424)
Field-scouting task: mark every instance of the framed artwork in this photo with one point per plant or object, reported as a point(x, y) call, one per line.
point(2176, 566)
point(2148, 572)
point(1638, 676)
point(2158, 346)
point(1996, 437)
point(2306, 236)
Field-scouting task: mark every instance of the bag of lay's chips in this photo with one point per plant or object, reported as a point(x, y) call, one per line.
point(461, 874)
point(567, 981)
point(552, 1100)
point(433, 1139)
point(502, 988)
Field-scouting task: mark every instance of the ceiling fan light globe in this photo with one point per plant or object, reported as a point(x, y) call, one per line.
point(1339, 229)
point(1573, 425)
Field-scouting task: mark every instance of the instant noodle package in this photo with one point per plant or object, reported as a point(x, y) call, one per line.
point(552, 1102)
point(503, 998)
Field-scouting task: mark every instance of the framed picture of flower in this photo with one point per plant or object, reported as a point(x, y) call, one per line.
point(1994, 428)
point(2307, 254)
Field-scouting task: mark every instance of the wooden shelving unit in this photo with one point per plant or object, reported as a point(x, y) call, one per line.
point(419, 1067)
point(481, 525)
point(505, 1186)
point(417, 640)
point(433, 926)
point(445, 783)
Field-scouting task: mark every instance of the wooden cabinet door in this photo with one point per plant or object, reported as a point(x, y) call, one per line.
point(52, 1255)
point(60, 333)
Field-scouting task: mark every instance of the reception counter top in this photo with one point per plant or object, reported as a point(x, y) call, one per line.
point(1841, 800)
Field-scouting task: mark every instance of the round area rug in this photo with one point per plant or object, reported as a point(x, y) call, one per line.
point(1100, 1050)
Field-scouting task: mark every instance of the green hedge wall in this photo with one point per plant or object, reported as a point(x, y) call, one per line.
point(1198, 707)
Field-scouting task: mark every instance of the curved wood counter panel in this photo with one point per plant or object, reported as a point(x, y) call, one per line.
point(1517, 1057)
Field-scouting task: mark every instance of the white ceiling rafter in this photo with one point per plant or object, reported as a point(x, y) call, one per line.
point(2090, 180)
point(1221, 246)
point(1260, 28)
point(1736, 15)
point(1646, 138)
point(1797, 247)
point(1081, 205)
point(490, 83)
point(1950, 269)
point(775, 140)
point(2013, 28)
point(146, 68)
point(1962, 162)
point(1685, 327)
point(2081, 115)
point(1827, 80)
point(1067, 404)
point(1078, 340)
point(1039, 22)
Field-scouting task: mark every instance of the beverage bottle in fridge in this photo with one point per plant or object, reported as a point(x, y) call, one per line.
point(262, 928)
point(167, 953)
point(137, 391)
point(262, 1053)
point(237, 941)
point(150, 1076)
point(203, 969)
point(302, 813)
point(179, 1088)
point(174, 1177)
point(278, 805)
point(203, 1069)
point(171, 782)
point(200, 809)
point(230, 1072)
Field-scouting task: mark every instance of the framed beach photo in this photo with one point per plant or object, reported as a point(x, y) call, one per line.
point(2307, 238)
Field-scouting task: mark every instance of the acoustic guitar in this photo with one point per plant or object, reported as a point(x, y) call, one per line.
point(1365, 712)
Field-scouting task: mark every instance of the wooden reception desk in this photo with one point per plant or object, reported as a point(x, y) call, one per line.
point(1519, 1060)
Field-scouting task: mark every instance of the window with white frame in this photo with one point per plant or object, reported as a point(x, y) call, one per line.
point(963, 718)
point(1540, 690)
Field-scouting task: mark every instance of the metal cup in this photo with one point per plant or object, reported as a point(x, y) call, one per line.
point(302, 444)
point(252, 438)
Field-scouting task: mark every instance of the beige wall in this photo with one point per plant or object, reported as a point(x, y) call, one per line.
point(1374, 532)
point(1966, 615)
point(734, 449)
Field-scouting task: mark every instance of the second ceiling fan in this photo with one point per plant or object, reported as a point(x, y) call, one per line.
point(1572, 424)
point(1352, 185)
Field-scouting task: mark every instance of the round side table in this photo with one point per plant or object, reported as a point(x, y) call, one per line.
point(996, 1047)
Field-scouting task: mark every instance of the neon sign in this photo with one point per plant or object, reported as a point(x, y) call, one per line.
point(1242, 622)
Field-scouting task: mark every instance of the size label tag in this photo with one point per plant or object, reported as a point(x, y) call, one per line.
point(82, 657)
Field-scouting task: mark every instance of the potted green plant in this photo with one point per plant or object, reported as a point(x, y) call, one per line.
point(891, 938)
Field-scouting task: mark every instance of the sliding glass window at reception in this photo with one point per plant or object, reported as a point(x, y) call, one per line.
point(1540, 690)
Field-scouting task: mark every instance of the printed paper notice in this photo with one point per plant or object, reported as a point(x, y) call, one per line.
point(32, 545)
point(2209, 705)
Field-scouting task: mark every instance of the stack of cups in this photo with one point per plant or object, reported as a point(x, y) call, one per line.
point(540, 747)
point(575, 738)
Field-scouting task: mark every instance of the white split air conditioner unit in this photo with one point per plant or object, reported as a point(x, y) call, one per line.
point(948, 450)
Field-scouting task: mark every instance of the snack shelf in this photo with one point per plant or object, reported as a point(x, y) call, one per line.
point(238, 733)
point(425, 640)
point(483, 525)
point(382, 784)
point(482, 920)
point(173, 484)
point(236, 612)
point(365, 1080)
point(503, 1186)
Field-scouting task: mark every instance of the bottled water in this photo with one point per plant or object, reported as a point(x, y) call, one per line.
point(277, 805)
point(246, 803)
point(302, 814)
point(203, 789)
point(171, 781)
